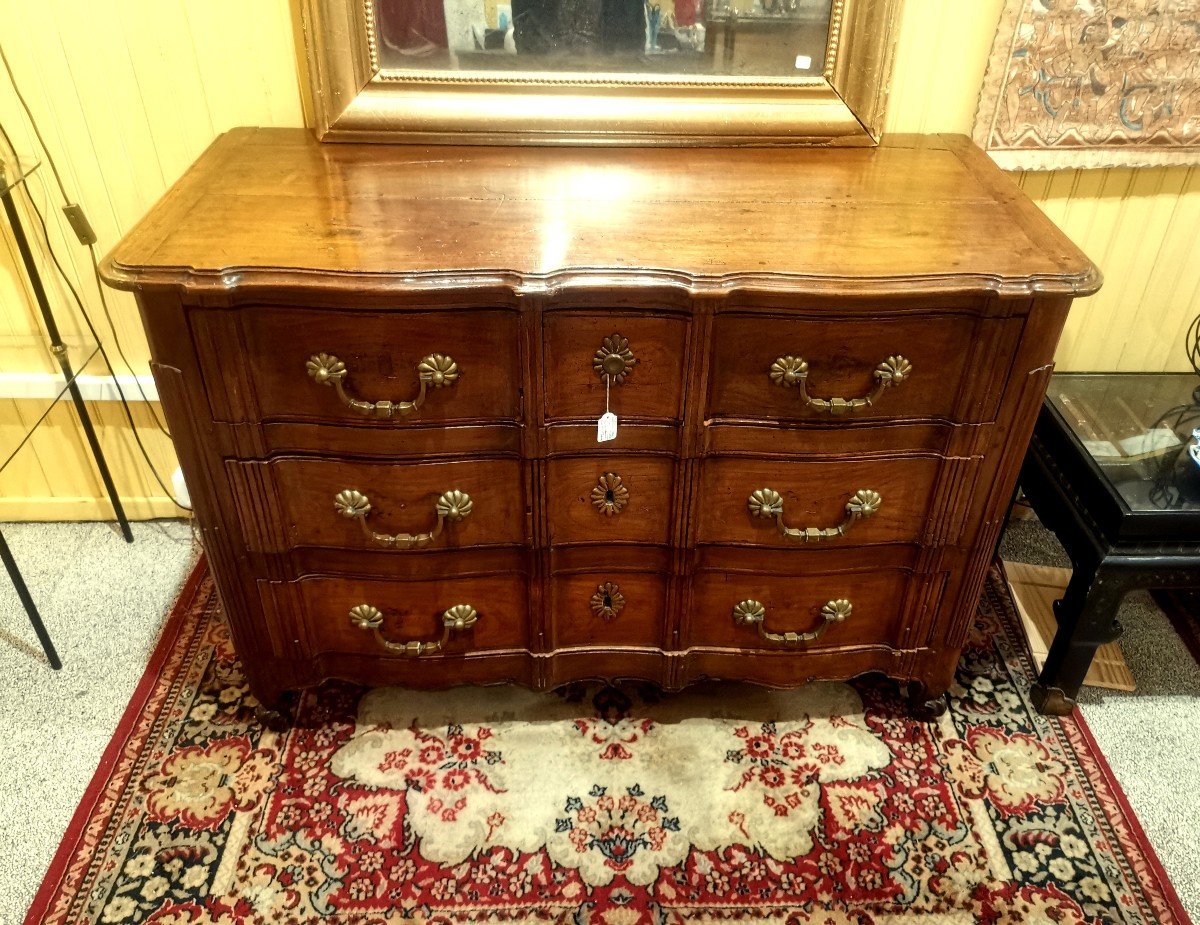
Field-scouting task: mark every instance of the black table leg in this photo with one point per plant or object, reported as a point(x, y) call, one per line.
point(1086, 620)
point(10, 565)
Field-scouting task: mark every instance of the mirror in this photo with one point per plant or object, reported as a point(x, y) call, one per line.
point(689, 38)
point(642, 72)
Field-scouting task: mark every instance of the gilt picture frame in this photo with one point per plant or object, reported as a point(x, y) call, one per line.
point(354, 98)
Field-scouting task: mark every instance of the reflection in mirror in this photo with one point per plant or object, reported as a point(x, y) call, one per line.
point(743, 38)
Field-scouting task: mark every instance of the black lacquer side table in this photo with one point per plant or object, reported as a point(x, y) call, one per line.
point(1108, 470)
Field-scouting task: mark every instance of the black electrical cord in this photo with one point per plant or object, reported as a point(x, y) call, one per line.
point(91, 247)
point(85, 315)
point(1164, 487)
point(87, 318)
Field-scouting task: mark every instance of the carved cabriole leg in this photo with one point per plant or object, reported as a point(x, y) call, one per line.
point(274, 710)
point(1086, 620)
point(924, 703)
point(275, 720)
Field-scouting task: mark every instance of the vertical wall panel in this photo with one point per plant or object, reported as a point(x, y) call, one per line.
point(1140, 226)
point(129, 92)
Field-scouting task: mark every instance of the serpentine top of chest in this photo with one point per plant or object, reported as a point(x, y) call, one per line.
point(535, 415)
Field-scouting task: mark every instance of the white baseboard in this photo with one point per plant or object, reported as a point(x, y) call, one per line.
point(19, 510)
point(93, 388)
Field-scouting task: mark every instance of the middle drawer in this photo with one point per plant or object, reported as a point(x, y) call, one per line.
point(345, 504)
point(610, 498)
point(769, 502)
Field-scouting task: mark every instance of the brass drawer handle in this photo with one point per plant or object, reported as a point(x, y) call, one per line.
point(792, 372)
point(753, 612)
point(435, 370)
point(452, 506)
point(457, 618)
point(768, 503)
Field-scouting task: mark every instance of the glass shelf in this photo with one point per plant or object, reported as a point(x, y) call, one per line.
point(32, 380)
point(14, 173)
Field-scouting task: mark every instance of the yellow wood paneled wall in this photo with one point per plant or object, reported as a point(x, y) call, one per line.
point(129, 92)
point(1142, 227)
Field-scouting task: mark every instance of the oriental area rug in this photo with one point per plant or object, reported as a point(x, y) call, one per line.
point(827, 805)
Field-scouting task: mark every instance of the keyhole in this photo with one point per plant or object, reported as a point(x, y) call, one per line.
point(608, 601)
point(609, 496)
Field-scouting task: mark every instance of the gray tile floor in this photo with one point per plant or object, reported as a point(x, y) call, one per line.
point(104, 603)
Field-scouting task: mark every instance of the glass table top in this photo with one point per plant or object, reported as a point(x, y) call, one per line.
point(1137, 429)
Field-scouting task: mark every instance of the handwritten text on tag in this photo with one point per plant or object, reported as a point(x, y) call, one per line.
point(606, 427)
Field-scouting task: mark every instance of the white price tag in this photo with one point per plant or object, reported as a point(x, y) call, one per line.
point(606, 427)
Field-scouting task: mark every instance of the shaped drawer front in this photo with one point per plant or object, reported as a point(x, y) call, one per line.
point(349, 367)
point(608, 608)
point(846, 369)
point(610, 499)
point(414, 619)
point(402, 507)
point(856, 502)
point(798, 613)
point(642, 356)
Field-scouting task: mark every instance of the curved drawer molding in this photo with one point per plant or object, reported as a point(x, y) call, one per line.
point(767, 503)
point(456, 619)
point(453, 506)
point(436, 370)
point(753, 613)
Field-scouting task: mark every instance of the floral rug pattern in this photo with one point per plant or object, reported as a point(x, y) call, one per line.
point(725, 803)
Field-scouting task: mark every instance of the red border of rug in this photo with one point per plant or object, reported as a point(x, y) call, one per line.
point(166, 641)
point(1135, 824)
point(1118, 792)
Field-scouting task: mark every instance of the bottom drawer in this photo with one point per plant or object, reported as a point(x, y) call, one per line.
point(814, 611)
point(427, 619)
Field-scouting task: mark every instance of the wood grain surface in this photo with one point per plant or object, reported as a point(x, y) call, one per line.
point(518, 263)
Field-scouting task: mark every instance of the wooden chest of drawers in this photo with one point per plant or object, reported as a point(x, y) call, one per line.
point(384, 367)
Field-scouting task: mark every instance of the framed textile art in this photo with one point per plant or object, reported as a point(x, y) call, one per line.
point(1093, 83)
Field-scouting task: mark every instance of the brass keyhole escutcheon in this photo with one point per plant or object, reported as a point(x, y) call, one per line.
point(610, 495)
point(608, 601)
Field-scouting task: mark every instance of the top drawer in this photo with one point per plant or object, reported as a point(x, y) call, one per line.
point(349, 367)
point(629, 362)
point(913, 367)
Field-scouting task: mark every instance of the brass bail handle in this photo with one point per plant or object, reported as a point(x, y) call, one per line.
point(753, 613)
point(767, 503)
point(789, 372)
point(436, 370)
point(453, 506)
point(455, 619)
